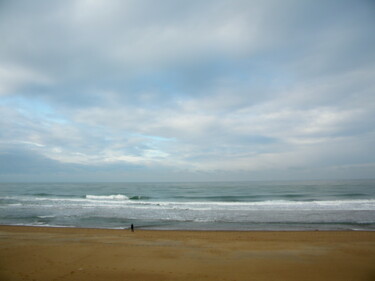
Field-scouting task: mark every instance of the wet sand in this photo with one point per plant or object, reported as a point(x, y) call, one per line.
point(36, 253)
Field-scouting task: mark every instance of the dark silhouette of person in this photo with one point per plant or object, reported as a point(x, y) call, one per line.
point(132, 227)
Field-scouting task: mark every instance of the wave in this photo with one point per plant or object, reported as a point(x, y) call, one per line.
point(282, 205)
point(138, 197)
point(43, 194)
point(45, 217)
point(52, 195)
point(106, 197)
point(116, 197)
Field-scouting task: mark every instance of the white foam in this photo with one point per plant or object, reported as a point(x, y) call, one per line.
point(45, 217)
point(264, 205)
point(123, 201)
point(106, 197)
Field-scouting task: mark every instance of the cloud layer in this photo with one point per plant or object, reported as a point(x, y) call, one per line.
point(186, 90)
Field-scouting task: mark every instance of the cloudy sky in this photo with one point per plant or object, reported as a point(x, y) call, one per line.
point(145, 90)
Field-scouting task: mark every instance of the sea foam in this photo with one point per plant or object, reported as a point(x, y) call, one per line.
point(106, 197)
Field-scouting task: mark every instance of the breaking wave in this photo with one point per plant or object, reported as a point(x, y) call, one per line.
point(108, 197)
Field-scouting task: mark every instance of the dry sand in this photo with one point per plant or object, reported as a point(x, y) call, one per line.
point(33, 253)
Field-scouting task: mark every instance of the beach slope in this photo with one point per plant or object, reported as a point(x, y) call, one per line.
point(36, 253)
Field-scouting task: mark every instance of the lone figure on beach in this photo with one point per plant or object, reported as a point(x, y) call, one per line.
point(132, 227)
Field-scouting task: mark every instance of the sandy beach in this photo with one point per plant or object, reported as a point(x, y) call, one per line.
point(36, 253)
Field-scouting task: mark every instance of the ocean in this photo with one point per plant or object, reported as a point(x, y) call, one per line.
point(239, 206)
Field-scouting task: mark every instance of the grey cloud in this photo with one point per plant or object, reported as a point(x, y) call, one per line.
point(24, 165)
point(26, 162)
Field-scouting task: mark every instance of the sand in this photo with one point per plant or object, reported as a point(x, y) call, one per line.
point(36, 253)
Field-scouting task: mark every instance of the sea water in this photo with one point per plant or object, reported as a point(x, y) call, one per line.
point(308, 205)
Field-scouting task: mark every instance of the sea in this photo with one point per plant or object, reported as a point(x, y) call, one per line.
point(235, 206)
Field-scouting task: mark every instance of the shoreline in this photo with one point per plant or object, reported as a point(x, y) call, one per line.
point(60, 253)
point(187, 230)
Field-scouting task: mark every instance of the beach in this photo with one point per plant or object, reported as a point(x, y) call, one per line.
point(40, 253)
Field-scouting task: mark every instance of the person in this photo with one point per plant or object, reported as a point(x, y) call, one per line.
point(132, 227)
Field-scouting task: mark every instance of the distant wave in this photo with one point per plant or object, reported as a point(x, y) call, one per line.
point(138, 197)
point(52, 195)
point(45, 217)
point(44, 194)
point(106, 197)
point(116, 197)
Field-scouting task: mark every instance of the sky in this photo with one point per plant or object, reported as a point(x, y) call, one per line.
point(166, 90)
